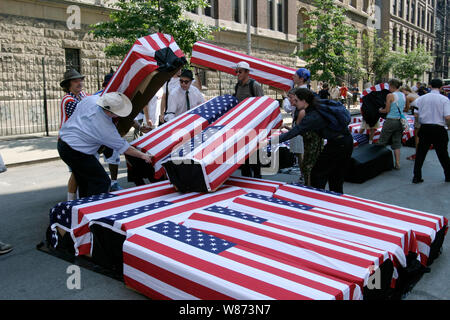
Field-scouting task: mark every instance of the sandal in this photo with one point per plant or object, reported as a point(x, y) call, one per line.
point(411, 157)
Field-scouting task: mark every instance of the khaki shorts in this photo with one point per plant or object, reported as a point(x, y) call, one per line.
point(392, 129)
point(365, 126)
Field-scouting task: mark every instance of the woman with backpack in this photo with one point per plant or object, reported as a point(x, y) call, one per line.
point(334, 158)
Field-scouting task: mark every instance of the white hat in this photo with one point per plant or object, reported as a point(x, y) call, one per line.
point(243, 65)
point(115, 102)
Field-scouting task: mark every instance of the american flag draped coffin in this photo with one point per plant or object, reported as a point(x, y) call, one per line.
point(427, 229)
point(125, 210)
point(151, 61)
point(217, 58)
point(161, 141)
point(207, 160)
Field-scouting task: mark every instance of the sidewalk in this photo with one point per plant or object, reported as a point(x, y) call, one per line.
point(28, 149)
point(32, 148)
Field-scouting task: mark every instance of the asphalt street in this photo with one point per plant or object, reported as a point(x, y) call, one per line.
point(28, 192)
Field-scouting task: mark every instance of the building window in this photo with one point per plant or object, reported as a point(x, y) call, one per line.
point(270, 15)
point(432, 23)
point(394, 7)
point(413, 12)
point(353, 3)
point(280, 16)
point(407, 10)
point(73, 59)
point(210, 10)
point(423, 18)
point(236, 7)
point(366, 6)
point(400, 9)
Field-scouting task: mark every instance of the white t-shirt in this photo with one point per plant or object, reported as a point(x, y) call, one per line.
point(177, 105)
point(154, 108)
point(432, 108)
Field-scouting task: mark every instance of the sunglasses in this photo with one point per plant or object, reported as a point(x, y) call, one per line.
point(185, 81)
point(240, 71)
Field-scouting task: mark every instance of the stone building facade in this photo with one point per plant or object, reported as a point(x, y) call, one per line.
point(409, 24)
point(37, 41)
point(41, 38)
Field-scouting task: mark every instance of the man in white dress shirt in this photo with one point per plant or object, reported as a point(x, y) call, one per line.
point(89, 127)
point(433, 112)
point(183, 98)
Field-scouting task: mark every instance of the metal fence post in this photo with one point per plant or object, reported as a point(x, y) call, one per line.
point(45, 98)
point(98, 77)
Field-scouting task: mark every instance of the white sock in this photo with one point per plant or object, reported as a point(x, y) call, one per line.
point(71, 196)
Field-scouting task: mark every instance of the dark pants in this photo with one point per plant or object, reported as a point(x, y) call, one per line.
point(250, 166)
point(430, 134)
point(89, 173)
point(332, 164)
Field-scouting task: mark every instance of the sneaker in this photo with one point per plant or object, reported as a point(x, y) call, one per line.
point(5, 248)
point(411, 157)
point(115, 187)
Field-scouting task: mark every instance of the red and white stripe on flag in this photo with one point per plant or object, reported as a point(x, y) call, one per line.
point(217, 58)
point(254, 185)
point(182, 205)
point(140, 62)
point(325, 255)
point(161, 141)
point(168, 267)
point(241, 129)
point(378, 87)
point(342, 226)
point(127, 199)
point(423, 224)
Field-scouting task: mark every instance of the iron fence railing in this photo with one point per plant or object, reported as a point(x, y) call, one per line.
point(30, 93)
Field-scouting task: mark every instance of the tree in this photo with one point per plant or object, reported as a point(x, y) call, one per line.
point(410, 66)
point(378, 60)
point(138, 18)
point(331, 42)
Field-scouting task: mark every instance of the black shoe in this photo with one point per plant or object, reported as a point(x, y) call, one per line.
point(417, 180)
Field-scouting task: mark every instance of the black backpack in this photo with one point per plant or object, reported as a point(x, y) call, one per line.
point(336, 113)
point(251, 84)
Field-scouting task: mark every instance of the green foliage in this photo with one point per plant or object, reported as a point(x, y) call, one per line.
point(138, 18)
point(378, 60)
point(332, 46)
point(410, 66)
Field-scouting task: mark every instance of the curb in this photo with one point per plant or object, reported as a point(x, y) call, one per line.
point(30, 162)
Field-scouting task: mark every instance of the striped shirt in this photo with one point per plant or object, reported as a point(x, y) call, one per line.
point(68, 104)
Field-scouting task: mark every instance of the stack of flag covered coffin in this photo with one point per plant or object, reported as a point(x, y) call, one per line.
point(207, 160)
point(250, 238)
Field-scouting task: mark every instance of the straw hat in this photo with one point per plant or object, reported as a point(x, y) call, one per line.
point(115, 102)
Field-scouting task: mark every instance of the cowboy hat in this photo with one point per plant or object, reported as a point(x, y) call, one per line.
point(70, 74)
point(115, 102)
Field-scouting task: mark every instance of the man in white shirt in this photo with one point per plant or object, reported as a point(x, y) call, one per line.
point(89, 127)
point(433, 113)
point(183, 98)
